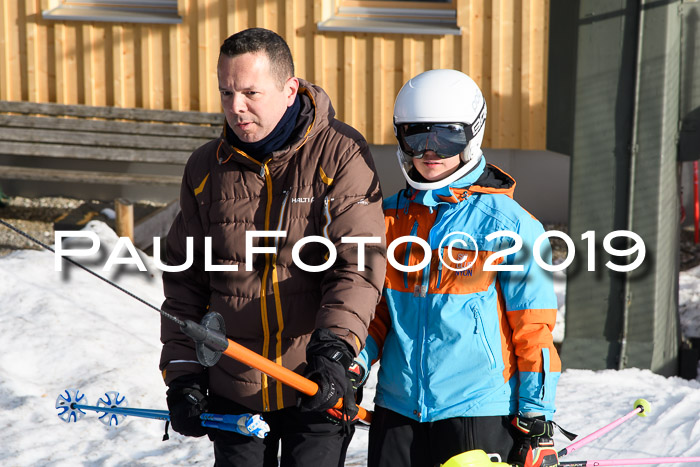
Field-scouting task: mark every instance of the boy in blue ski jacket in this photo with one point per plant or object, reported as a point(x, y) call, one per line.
point(463, 331)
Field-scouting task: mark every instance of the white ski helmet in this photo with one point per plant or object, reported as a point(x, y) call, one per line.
point(440, 97)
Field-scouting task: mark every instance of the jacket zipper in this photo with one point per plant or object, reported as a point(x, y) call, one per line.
point(407, 256)
point(264, 172)
point(270, 263)
point(479, 329)
point(278, 304)
point(281, 217)
point(425, 280)
point(327, 213)
point(420, 290)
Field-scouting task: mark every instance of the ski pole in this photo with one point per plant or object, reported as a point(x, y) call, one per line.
point(641, 408)
point(72, 404)
point(246, 424)
point(282, 374)
point(90, 271)
point(213, 340)
point(645, 461)
point(478, 458)
point(126, 411)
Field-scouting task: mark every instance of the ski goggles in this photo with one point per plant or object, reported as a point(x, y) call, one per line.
point(445, 139)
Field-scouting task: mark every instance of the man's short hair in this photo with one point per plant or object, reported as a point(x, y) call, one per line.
point(256, 40)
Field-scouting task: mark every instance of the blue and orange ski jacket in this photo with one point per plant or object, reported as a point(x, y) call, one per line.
point(472, 342)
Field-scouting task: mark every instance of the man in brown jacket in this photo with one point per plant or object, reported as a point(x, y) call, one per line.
point(283, 165)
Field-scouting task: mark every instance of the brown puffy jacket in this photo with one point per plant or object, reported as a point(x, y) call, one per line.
point(323, 184)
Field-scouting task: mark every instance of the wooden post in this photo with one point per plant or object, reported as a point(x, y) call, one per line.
point(155, 224)
point(125, 218)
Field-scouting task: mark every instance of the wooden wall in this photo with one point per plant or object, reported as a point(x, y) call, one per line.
point(503, 47)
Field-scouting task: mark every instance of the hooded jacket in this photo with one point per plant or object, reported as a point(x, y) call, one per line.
point(455, 339)
point(322, 183)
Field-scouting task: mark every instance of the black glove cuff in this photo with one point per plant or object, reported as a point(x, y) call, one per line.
point(534, 427)
point(198, 381)
point(326, 344)
point(327, 361)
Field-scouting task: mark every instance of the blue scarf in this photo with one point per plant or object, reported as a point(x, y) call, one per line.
point(272, 142)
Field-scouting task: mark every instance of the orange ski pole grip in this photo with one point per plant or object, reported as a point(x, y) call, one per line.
point(282, 374)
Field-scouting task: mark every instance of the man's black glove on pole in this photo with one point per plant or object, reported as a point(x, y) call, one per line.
point(187, 400)
point(328, 358)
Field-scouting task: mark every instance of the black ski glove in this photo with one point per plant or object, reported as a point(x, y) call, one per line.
point(328, 359)
point(187, 400)
point(535, 446)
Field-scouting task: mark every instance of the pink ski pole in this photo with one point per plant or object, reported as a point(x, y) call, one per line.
point(652, 460)
point(641, 408)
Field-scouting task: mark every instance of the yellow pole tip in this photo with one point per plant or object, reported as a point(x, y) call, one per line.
point(645, 407)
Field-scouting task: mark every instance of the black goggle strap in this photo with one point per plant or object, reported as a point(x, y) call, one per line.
point(473, 129)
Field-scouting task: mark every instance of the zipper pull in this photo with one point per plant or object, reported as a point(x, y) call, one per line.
point(262, 171)
point(441, 255)
point(476, 321)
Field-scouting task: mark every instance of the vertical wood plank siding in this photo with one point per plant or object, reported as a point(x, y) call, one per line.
point(503, 47)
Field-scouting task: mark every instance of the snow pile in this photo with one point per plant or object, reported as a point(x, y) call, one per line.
point(70, 330)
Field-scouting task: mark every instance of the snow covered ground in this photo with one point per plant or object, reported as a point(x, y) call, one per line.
point(68, 329)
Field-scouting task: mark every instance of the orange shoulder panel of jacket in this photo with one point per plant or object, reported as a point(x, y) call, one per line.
point(380, 325)
point(504, 191)
point(492, 190)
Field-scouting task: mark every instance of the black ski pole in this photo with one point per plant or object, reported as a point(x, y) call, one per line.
point(179, 322)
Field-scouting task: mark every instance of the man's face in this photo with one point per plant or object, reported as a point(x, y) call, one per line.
point(251, 96)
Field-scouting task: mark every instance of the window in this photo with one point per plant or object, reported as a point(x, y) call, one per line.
point(116, 11)
point(391, 16)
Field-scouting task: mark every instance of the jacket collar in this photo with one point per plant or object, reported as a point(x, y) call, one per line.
point(485, 178)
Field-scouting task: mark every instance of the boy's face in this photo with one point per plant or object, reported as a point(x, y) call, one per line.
point(433, 168)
